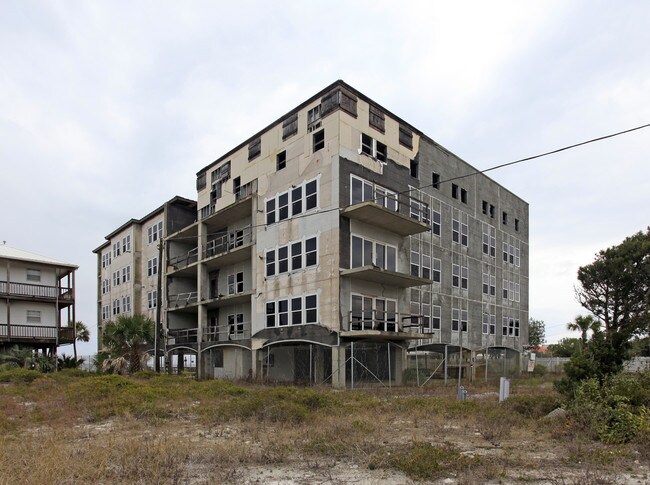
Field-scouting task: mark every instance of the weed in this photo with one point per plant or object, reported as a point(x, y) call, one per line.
point(18, 376)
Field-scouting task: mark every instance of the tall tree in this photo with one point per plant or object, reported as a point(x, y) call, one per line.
point(616, 289)
point(126, 341)
point(536, 332)
point(82, 334)
point(583, 324)
point(566, 347)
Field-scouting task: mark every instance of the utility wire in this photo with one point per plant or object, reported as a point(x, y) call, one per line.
point(471, 174)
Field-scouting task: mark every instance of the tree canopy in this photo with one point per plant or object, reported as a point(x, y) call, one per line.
point(616, 288)
point(126, 341)
point(536, 333)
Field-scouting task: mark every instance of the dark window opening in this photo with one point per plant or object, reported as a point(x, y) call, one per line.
point(516, 224)
point(454, 191)
point(366, 144)
point(254, 149)
point(281, 160)
point(435, 180)
point(414, 168)
point(201, 182)
point(405, 137)
point(504, 218)
point(485, 207)
point(319, 140)
point(463, 196)
point(491, 211)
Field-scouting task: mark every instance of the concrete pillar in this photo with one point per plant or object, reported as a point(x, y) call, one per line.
point(338, 367)
point(399, 357)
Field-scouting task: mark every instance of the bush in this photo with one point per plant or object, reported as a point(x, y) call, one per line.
point(539, 371)
point(533, 406)
point(606, 415)
point(19, 375)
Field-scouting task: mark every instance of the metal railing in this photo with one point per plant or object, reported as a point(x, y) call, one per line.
point(35, 291)
point(184, 336)
point(225, 333)
point(182, 299)
point(184, 260)
point(227, 242)
point(36, 332)
point(384, 321)
point(401, 203)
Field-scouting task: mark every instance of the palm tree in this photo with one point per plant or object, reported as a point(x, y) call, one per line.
point(126, 341)
point(82, 334)
point(18, 357)
point(584, 324)
point(69, 362)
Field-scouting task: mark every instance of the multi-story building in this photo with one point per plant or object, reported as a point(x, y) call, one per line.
point(128, 262)
point(37, 301)
point(337, 239)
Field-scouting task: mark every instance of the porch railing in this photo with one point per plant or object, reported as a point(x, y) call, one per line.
point(384, 321)
point(227, 242)
point(224, 333)
point(36, 332)
point(35, 291)
point(182, 299)
point(185, 259)
point(184, 336)
point(241, 193)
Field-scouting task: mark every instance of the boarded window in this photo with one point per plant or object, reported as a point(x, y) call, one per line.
point(405, 137)
point(330, 102)
point(33, 274)
point(348, 103)
point(254, 149)
point(377, 119)
point(33, 316)
point(200, 181)
point(290, 126)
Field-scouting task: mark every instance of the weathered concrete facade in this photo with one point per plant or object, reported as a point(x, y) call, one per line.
point(337, 224)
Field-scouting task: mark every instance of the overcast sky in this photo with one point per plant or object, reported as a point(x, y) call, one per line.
point(107, 109)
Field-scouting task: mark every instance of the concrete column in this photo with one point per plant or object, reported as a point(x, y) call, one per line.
point(338, 367)
point(400, 363)
point(202, 288)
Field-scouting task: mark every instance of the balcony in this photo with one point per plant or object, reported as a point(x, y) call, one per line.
point(240, 209)
point(226, 300)
point(182, 261)
point(389, 211)
point(375, 274)
point(228, 333)
point(36, 334)
point(182, 336)
point(182, 300)
point(229, 248)
point(28, 291)
point(375, 324)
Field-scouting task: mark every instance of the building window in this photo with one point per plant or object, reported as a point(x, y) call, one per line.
point(126, 243)
point(33, 274)
point(313, 118)
point(152, 299)
point(201, 182)
point(504, 218)
point(318, 140)
point(485, 327)
point(436, 314)
point(405, 137)
point(116, 278)
point(154, 232)
point(106, 312)
point(435, 222)
point(235, 283)
point(281, 160)
point(152, 266)
point(106, 286)
point(304, 254)
point(377, 119)
point(235, 326)
point(437, 270)
point(491, 211)
point(464, 276)
point(463, 196)
point(126, 304)
point(373, 148)
point(290, 126)
point(116, 249)
point(505, 289)
point(106, 259)
point(33, 317)
point(288, 204)
point(362, 190)
point(463, 320)
point(504, 326)
point(126, 274)
point(367, 252)
point(254, 149)
point(455, 275)
point(459, 232)
point(116, 307)
point(415, 165)
point(517, 225)
point(505, 252)
point(292, 311)
point(489, 284)
point(485, 207)
point(455, 319)
point(454, 191)
point(435, 180)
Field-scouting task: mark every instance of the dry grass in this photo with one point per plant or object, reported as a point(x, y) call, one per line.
point(110, 429)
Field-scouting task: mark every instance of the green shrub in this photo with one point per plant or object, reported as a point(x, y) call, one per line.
point(533, 406)
point(19, 375)
point(539, 371)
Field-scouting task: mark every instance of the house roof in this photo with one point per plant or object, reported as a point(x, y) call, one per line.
point(7, 252)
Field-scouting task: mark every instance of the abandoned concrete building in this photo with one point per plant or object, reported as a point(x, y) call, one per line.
point(337, 245)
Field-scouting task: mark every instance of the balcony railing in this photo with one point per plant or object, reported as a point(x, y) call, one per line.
point(223, 333)
point(184, 260)
point(227, 242)
point(241, 193)
point(36, 332)
point(182, 299)
point(35, 291)
point(384, 321)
